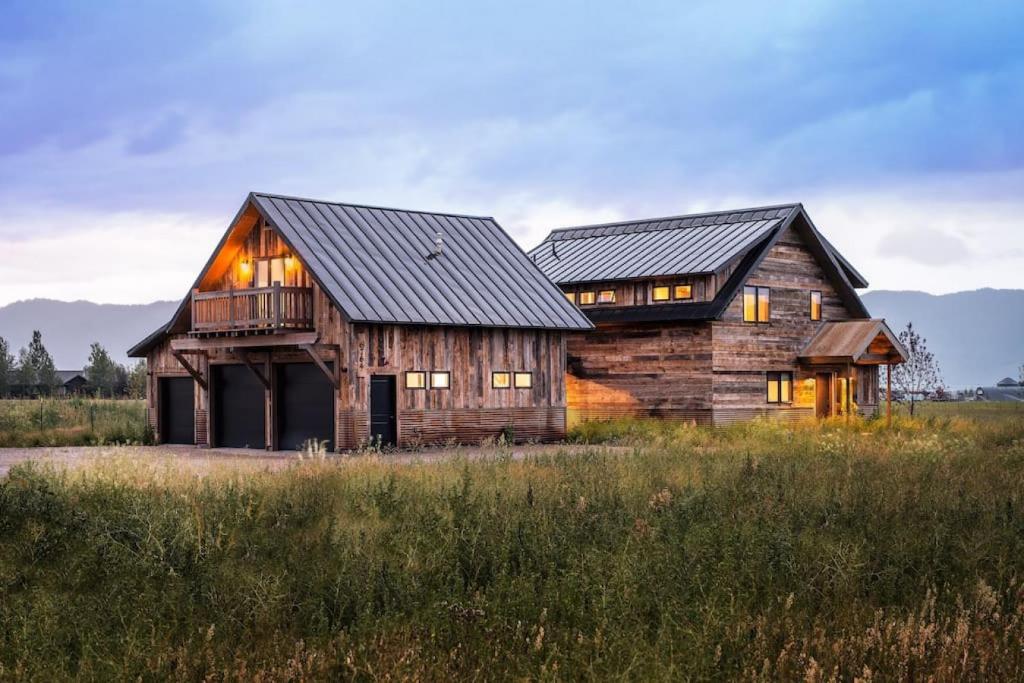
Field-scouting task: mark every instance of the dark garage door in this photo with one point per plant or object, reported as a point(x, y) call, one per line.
point(238, 408)
point(177, 410)
point(305, 406)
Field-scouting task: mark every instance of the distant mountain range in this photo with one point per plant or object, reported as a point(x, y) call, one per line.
point(977, 337)
point(69, 327)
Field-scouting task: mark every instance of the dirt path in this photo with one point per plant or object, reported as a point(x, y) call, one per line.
point(205, 458)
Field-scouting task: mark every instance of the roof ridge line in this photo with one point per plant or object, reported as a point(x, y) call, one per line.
point(653, 219)
point(274, 195)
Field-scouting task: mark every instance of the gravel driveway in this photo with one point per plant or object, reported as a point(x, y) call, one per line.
point(204, 458)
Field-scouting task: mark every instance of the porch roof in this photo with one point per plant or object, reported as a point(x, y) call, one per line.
point(859, 342)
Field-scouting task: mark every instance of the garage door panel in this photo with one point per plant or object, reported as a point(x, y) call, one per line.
point(238, 407)
point(305, 406)
point(177, 410)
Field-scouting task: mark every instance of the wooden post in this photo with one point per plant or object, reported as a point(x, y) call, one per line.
point(849, 392)
point(231, 305)
point(277, 304)
point(888, 394)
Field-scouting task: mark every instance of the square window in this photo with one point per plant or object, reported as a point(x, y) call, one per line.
point(440, 380)
point(587, 298)
point(523, 380)
point(815, 305)
point(683, 291)
point(501, 380)
point(571, 296)
point(415, 379)
point(606, 296)
point(659, 294)
point(780, 387)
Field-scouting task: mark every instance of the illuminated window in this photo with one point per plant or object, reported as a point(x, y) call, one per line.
point(416, 379)
point(571, 296)
point(815, 305)
point(756, 304)
point(587, 298)
point(659, 294)
point(523, 380)
point(780, 387)
point(440, 380)
point(501, 380)
point(683, 292)
point(606, 296)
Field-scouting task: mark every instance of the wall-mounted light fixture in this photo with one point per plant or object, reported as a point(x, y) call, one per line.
point(289, 261)
point(245, 266)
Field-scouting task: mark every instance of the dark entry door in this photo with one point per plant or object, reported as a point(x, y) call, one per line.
point(177, 410)
point(238, 408)
point(823, 394)
point(383, 419)
point(305, 406)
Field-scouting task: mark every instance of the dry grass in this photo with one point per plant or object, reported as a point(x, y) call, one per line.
point(827, 552)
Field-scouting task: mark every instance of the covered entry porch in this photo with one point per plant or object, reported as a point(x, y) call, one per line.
point(844, 358)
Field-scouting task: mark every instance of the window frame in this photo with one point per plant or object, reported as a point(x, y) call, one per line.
point(448, 379)
point(602, 292)
point(422, 373)
point(495, 373)
point(591, 294)
point(654, 295)
point(689, 288)
point(782, 378)
point(517, 375)
point(758, 292)
point(810, 312)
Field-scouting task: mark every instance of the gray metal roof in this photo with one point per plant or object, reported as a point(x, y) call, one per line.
point(698, 243)
point(376, 265)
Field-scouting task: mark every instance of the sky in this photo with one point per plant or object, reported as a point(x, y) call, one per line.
point(131, 132)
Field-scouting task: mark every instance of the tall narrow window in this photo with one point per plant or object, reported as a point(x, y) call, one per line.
point(815, 305)
point(501, 380)
point(682, 292)
point(587, 298)
point(659, 294)
point(606, 296)
point(757, 306)
point(780, 387)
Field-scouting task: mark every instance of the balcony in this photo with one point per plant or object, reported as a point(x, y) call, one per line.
point(258, 309)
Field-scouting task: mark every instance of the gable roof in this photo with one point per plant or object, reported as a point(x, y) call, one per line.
point(849, 341)
point(1007, 382)
point(687, 245)
point(376, 265)
point(678, 245)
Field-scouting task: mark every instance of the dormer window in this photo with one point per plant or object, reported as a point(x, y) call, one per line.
point(571, 296)
point(682, 292)
point(660, 293)
point(606, 296)
point(587, 298)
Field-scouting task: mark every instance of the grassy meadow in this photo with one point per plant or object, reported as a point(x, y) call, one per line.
point(72, 422)
point(756, 552)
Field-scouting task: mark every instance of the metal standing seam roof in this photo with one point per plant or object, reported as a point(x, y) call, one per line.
point(376, 265)
point(698, 243)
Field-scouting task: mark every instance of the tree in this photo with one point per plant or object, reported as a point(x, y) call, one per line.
point(6, 368)
point(137, 380)
point(24, 373)
point(101, 370)
point(1020, 376)
point(42, 364)
point(120, 380)
point(920, 373)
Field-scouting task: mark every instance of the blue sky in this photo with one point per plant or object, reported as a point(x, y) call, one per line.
point(131, 131)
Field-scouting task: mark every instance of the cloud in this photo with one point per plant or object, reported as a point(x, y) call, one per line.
point(167, 133)
point(926, 246)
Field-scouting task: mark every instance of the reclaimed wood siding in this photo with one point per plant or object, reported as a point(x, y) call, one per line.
point(642, 370)
point(743, 352)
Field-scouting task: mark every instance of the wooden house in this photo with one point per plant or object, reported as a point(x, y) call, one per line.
point(354, 324)
point(716, 317)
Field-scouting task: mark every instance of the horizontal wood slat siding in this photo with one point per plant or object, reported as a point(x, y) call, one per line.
point(690, 415)
point(472, 425)
point(788, 415)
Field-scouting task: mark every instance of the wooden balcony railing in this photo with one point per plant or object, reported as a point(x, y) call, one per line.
point(255, 309)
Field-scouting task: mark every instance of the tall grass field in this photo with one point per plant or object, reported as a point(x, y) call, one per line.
point(72, 422)
point(659, 552)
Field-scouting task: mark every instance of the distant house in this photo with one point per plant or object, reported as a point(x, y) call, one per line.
point(1005, 389)
point(71, 383)
point(1007, 382)
point(716, 317)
